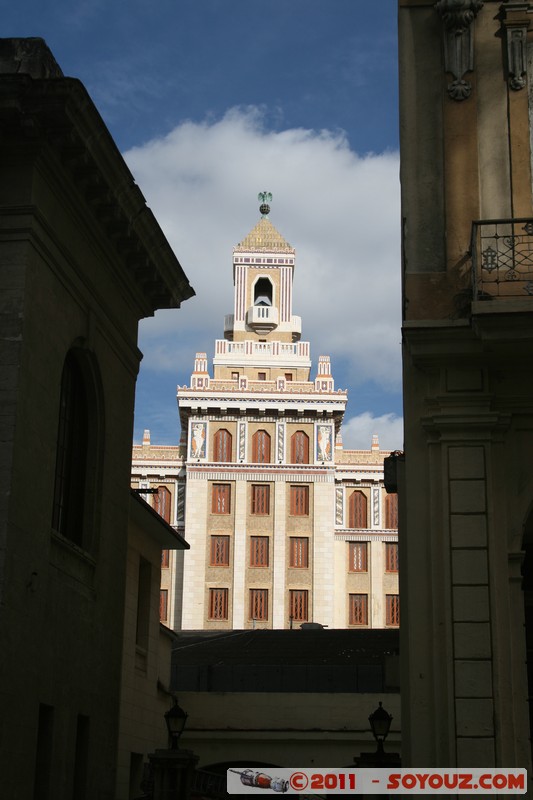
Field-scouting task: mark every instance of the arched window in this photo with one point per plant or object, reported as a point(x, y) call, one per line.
point(76, 451)
point(261, 447)
point(263, 292)
point(299, 448)
point(163, 503)
point(357, 510)
point(222, 445)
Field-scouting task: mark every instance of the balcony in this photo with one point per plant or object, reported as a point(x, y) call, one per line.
point(262, 319)
point(502, 258)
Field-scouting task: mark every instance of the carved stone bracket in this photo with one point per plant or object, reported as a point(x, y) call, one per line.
point(457, 17)
point(516, 25)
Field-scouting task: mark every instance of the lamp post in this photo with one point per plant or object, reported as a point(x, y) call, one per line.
point(380, 722)
point(176, 719)
point(172, 769)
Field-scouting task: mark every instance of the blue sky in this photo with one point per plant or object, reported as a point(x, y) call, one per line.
point(211, 101)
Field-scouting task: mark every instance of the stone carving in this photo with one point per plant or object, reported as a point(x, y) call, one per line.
point(242, 441)
point(281, 443)
point(457, 17)
point(516, 54)
point(339, 515)
point(375, 507)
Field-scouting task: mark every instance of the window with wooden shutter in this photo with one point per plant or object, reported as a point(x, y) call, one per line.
point(219, 551)
point(218, 604)
point(299, 505)
point(357, 510)
point(299, 552)
point(222, 445)
point(358, 609)
point(259, 551)
point(391, 557)
point(163, 502)
point(358, 552)
point(391, 511)
point(163, 605)
point(392, 609)
point(298, 604)
point(259, 604)
point(261, 447)
point(220, 503)
point(300, 448)
point(165, 559)
point(260, 498)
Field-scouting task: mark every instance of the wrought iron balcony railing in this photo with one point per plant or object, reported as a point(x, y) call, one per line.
point(502, 258)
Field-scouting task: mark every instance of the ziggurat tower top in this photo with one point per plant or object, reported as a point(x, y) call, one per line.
point(261, 364)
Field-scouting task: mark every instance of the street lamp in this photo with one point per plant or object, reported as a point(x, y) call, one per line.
point(380, 722)
point(176, 719)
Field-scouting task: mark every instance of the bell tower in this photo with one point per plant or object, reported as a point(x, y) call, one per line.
point(263, 269)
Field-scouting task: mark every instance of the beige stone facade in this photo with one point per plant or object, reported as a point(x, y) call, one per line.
point(285, 526)
point(466, 486)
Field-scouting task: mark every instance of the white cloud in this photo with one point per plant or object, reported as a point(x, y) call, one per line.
point(357, 432)
point(339, 210)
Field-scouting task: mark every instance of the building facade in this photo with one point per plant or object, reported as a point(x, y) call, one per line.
point(82, 261)
point(285, 526)
point(466, 486)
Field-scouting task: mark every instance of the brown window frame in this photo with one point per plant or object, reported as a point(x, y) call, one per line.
point(259, 551)
point(357, 556)
point(391, 511)
point(358, 510)
point(165, 559)
point(258, 609)
point(358, 609)
point(218, 604)
point(219, 551)
point(300, 448)
point(260, 499)
point(392, 610)
point(299, 501)
point(392, 557)
point(299, 552)
point(163, 605)
point(221, 498)
point(162, 502)
point(299, 605)
point(222, 446)
point(261, 447)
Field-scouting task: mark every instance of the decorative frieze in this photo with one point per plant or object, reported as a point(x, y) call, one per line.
point(515, 25)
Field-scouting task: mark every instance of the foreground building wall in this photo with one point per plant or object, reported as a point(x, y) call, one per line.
point(465, 505)
point(82, 260)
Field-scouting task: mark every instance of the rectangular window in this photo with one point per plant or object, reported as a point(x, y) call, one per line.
point(299, 501)
point(259, 551)
point(299, 552)
point(163, 605)
point(259, 604)
point(218, 603)
point(260, 499)
point(392, 606)
point(219, 551)
point(261, 376)
point(165, 557)
point(234, 376)
point(220, 503)
point(358, 557)
point(391, 557)
point(298, 604)
point(358, 612)
point(288, 376)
